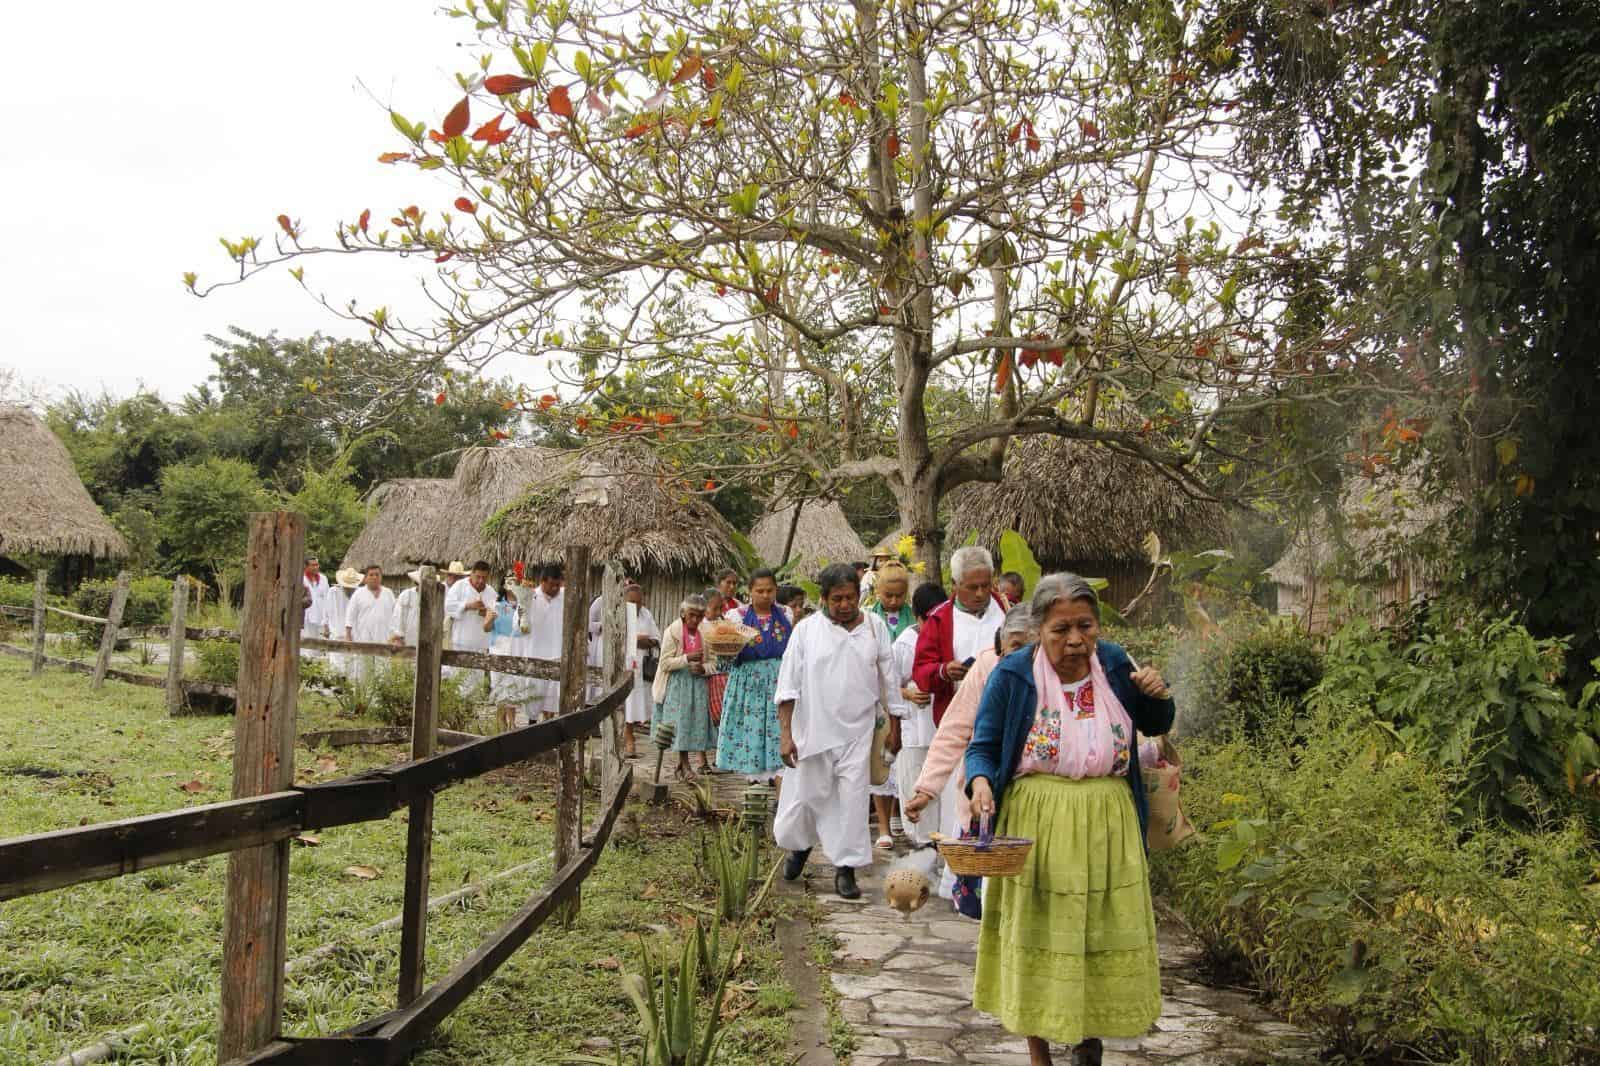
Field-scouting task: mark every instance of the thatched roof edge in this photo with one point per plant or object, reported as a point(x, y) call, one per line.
point(44, 507)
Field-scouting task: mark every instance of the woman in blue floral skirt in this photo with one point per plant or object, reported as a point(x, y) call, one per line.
point(748, 734)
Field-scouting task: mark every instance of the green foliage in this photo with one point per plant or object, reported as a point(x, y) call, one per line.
point(333, 511)
point(734, 863)
point(204, 513)
point(1476, 694)
point(1249, 677)
point(670, 1020)
point(1332, 878)
point(1016, 555)
point(218, 660)
point(15, 592)
point(388, 692)
point(149, 603)
point(139, 527)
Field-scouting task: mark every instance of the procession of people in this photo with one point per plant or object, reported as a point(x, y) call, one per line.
point(888, 701)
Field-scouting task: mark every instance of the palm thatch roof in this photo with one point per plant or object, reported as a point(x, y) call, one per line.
point(1379, 522)
point(1075, 501)
point(824, 536)
point(44, 508)
point(412, 520)
point(620, 501)
point(529, 503)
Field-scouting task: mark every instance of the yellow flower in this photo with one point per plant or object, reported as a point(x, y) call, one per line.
point(919, 568)
point(906, 547)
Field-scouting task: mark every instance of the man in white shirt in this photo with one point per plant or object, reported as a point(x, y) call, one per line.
point(366, 620)
point(832, 686)
point(314, 623)
point(542, 609)
point(403, 629)
point(469, 609)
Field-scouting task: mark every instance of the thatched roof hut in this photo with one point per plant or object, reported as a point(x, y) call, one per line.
point(44, 508)
point(1084, 508)
point(823, 536)
point(529, 504)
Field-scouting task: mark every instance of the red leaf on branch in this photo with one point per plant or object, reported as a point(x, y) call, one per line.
point(1234, 37)
point(689, 69)
point(708, 77)
point(582, 423)
point(285, 225)
point(1034, 144)
point(444, 257)
point(793, 430)
point(710, 486)
point(464, 204)
point(771, 295)
point(891, 145)
point(438, 401)
point(413, 213)
point(665, 418)
point(1182, 265)
point(1002, 373)
point(499, 434)
point(526, 118)
point(847, 100)
point(506, 84)
point(436, 137)
point(393, 157)
point(1015, 135)
point(460, 116)
point(1078, 206)
point(1028, 357)
point(639, 129)
point(547, 401)
point(1056, 356)
point(722, 290)
point(560, 102)
point(490, 132)
point(366, 216)
point(1089, 128)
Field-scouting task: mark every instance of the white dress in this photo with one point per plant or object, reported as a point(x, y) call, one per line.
point(543, 641)
point(639, 703)
point(368, 618)
point(916, 736)
point(838, 679)
point(404, 623)
point(466, 626)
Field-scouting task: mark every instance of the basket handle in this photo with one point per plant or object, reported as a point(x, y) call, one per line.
point(985, 833)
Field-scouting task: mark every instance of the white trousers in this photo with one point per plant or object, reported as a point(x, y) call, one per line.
point(822, 801)
point(907, 768)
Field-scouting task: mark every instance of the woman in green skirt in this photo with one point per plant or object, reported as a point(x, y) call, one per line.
point(1067, 949)
point(680, 686)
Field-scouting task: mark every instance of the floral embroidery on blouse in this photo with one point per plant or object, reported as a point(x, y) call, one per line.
point(1044, 739)
point(1120, 749)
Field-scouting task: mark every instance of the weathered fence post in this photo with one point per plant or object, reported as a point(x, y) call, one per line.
point(108, 635)
point(175, 636)
point(39, 579)
point(419, 826)
point(613, 668)
point(574, 687)
point(255, 917)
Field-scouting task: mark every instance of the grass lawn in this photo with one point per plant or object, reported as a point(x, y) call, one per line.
point(81, 962)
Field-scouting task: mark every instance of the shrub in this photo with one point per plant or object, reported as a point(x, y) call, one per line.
point(391, 686)
point(1478, 695)
point(218, 661)
point(15, 592)
point(1333, 879)
point(149, 604)
point(1248, 677)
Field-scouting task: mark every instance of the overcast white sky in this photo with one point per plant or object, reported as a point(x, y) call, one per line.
point(138, 133)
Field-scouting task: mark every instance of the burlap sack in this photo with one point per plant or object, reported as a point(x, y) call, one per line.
point(1169, 826)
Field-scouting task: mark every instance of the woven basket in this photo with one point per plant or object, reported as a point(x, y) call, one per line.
point(724, 649)
point(972, 857)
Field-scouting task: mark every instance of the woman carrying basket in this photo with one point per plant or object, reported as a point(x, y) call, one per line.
point(1067, 948)
point(748, 734)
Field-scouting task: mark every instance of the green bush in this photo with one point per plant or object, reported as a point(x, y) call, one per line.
point(218, 661)
point(1249, 677)
point(1333, 879)
point(389, 690)
point(15, 592)
point(1480, 696)
point(149, 603)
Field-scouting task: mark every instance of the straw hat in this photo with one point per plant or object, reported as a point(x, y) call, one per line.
point(348, 578)
point(457, 568)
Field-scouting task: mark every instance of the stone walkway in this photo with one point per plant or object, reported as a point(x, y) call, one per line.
point(905, 987)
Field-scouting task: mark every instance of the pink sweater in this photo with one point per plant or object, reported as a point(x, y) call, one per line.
point(955, 730)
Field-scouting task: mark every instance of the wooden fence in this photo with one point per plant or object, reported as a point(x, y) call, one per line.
point(268, 808)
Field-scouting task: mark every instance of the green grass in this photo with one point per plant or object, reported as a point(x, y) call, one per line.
point(78, 963)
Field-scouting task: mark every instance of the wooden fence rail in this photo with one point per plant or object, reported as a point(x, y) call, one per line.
point(110, 626)
point(254, 827)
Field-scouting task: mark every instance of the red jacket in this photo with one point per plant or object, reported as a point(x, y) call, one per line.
point(935, 647)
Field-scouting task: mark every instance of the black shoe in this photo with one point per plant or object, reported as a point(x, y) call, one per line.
point(795, 865)
point(844, 883)
point(1088, 1053)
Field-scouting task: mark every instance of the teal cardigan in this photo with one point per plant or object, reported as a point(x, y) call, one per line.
point(1011, 701)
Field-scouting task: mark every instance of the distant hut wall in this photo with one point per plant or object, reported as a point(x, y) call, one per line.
point(1125, 578)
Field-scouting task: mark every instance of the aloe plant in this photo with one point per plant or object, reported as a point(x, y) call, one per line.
point(734, 868)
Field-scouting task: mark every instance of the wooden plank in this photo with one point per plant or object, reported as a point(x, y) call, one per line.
point(613, 662)
point(210, 633)
point(388, 734)
point(419, 826)
point(574, 682)
point(547, 669)
point(108, 634)
point(358, 647)
point(38, 623)
point(175, 638)
point(73, 856)
point(255, 916)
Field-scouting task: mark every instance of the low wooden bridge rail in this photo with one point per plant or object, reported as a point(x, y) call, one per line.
point(268, 809)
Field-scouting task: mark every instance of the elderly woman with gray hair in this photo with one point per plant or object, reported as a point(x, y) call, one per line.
point(680, 692)
point(1067, 949)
